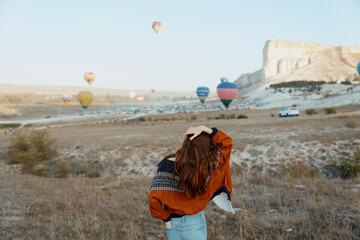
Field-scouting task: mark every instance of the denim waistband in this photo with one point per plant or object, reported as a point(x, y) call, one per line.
point(189, 218)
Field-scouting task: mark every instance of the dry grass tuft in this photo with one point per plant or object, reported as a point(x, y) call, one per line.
point(345, 116)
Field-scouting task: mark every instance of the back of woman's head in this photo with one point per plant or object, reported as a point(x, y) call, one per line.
point(193, 165)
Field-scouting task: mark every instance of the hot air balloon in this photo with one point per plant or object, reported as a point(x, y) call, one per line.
point(156, 26)
point(140, 98)
point(85, 98)
point(132, 94)
point(66, 98)
point(358, 68)
point(202, 92)
point(89, 77)
point(226, 91)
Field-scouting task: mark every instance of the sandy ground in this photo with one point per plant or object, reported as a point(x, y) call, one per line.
point(262, 143)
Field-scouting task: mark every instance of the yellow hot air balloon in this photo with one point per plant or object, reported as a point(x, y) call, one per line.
point(89, 77)
point(85, 98)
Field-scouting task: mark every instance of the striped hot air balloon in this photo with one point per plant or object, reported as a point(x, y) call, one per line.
point(85, 98)
point(226, 91)
point(140, 98)
point(89, 77)
point(358, 68)
point(202, 92)
point(156, 26)
point(66, 98)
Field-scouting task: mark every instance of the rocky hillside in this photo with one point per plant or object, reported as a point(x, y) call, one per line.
point(294, 61)
point(286, 61)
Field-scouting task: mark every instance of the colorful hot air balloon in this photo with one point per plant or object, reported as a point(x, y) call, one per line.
point(66, 98)
point(140, 98)
point(85, 98)
point(358, 68)
point(156, 26)
point(202, 92)
point(226, 91)
point(89, 77)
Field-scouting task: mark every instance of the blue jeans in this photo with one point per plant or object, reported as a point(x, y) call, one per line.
point(188, 227)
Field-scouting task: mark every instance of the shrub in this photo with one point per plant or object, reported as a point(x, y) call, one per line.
point(38, 171)
point(18, 145)
point(27, 159)
point(330, 110)
point(10, 125)
point(347, 168)
point(63, 169)
point(193, 118)
point(299, 84)
point(310, 111)
point(93, 173)
point(272, 115)
point(231, 116)
point(241, 116)
point(346, 82)
point(33, 151)
point(221, 116)
point(142, 119)
point(42, 145)
point(301, 171)
point(351, 125)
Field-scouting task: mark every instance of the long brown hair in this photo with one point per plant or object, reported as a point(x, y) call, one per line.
point(193, 163)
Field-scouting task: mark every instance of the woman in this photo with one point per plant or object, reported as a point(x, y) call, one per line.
point(187, 180)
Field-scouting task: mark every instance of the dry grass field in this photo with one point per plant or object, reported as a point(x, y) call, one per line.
point(279, 190)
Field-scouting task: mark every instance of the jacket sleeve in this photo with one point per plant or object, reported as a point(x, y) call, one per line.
point(157, 209)
point(223, 143)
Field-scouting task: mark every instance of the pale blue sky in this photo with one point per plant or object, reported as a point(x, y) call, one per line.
point(53, 42)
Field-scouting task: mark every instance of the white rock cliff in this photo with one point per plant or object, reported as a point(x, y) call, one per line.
point(285, 61)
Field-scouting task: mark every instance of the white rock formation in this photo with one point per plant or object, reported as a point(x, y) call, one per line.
point(293, 61)
point(248, 79)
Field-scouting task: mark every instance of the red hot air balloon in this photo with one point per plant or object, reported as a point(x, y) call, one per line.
point(66, 98)
point(140, 98)
point(226, 91)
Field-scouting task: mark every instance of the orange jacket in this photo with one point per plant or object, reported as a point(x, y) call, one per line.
point(165, 202)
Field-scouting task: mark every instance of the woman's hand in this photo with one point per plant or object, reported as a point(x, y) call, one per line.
point(168, 224)
point(196, 131)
